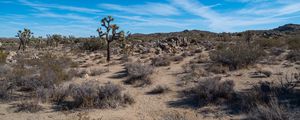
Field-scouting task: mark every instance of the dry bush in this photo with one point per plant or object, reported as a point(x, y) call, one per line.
point(293, 56)
point(237, 56)
point(90, 95)
point(138, 73)
point(217, 69)
point(177, 58)
point(91, 44)
point(159, 90)
point(160, 61)
point(3, 56)
point(269, 43)
point(173, 117)
point(212, 90)
point(294, 43)
point(272, 111)
point(276, 51)
point(193, 72)
point(4, 90)
point(97, 71)
point(27, 106)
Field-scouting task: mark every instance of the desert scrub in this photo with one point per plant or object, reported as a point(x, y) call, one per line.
point(3, 56)
point(237, 56)
point(211, 91)
point(294, 43)
point(293, 56)
point(90, 95)
point(160, 61)
point(138, 73)
point(160, 89)
point(27, 106)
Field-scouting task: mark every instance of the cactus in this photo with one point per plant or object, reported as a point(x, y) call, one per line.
point(24, 37)
point(110, 34)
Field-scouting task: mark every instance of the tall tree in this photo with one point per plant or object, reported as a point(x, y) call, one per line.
point(110, 33)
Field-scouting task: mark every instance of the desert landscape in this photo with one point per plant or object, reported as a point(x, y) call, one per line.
point(119, 75)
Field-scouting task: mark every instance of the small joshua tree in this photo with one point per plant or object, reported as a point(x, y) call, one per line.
point(24, 37)
point(110, 34)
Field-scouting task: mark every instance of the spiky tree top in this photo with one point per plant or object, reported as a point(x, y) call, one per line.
point(25, 35)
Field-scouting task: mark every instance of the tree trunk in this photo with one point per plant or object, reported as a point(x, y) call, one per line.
point(108, 51)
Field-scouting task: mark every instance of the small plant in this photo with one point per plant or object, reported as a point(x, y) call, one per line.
point(293, 56)
point(272, 111)
point(160, 61)
point(28, 106)
point(159, 90)
point(97, 71)
point(138, 73)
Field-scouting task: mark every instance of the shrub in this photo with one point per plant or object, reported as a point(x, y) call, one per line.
point(27, 106)
point(138, 73)
point(293, 56)
point(91, 45)
point(276, 51)
point(269, 43)
point(212, 90)
point(97, 71)
point(294, 43)
point(159, 90)
point(237, 56)
point(3, 56)
point(272, 111)
point(193, 72)
point(90, 95)
point(177, 58)
point(4, 90)
point(160, 61)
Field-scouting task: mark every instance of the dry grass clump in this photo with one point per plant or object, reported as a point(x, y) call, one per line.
point(27, 106)
point(192, 72)
point(159, 90)
point(160, 61)
point(293, 56)
point(3, 56)
point(90, 95)
point(138, 73)
point(212, 90)
point(237, 56)
point(272, 111)
point(173, 117)
point(98, 71)
point(177, 58)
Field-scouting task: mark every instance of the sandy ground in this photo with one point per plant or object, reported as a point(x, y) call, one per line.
point(146, 107)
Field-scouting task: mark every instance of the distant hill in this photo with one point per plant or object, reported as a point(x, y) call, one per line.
point(285, 30)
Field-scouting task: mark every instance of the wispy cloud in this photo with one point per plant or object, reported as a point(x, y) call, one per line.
point(42, 6)
point(228, 22)
point(144, 9)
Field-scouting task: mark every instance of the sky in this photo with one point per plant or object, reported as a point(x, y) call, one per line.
point(81, 18)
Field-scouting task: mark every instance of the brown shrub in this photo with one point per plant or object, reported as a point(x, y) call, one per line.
point(272, 111)
point(159, 90)
point(237, 56)
point(28, 106)
point(90, 95)
point(160, 61)
point(293, 56)
point(138, 73)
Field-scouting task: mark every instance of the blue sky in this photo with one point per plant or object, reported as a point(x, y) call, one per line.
point(82, 17)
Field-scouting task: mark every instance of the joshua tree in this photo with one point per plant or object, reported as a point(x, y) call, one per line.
point(110, 34)
point(24, 37)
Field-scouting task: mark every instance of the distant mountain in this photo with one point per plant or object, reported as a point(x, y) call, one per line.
point(288, 28)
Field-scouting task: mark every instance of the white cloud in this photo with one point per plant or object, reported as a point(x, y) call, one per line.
point(41, 6)
point(145, 9)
